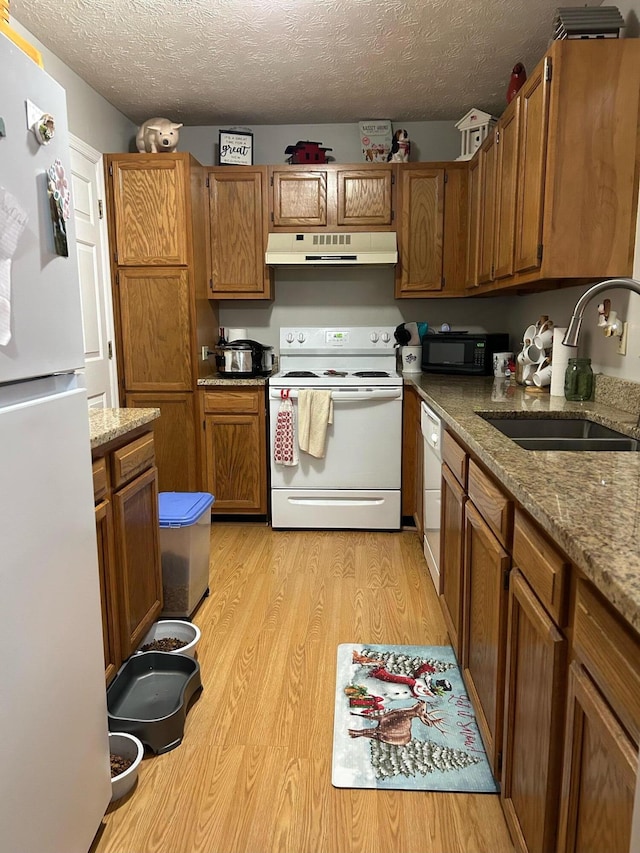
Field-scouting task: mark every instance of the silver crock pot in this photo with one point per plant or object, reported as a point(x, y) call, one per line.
point(244, 359)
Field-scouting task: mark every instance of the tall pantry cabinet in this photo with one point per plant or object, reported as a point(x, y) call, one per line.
point(163, 317)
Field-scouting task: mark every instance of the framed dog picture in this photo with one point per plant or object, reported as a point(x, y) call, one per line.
point(236, 148)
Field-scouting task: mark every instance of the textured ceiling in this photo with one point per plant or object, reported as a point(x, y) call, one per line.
point(295, 61)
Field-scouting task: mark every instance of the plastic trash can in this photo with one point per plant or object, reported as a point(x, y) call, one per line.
point(185, 525)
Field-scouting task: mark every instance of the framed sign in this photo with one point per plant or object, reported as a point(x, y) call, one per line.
point(236, 148)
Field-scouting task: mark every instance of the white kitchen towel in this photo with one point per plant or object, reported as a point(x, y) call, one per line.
point(315, 410)
point(284, 443)
point(13, 220)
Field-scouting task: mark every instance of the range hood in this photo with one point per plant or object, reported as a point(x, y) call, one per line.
point(327, 249)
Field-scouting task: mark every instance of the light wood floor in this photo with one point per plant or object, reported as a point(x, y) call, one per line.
point(253, 773)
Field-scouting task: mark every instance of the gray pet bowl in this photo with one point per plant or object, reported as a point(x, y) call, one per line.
point(150, 695)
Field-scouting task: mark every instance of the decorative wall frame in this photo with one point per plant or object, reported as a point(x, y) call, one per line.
point(235, 147)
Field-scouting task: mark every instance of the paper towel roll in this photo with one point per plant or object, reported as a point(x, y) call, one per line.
point(236, 335)
point(560, 355)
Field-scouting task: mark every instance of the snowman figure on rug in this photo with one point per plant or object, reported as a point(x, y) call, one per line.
point(382, 688)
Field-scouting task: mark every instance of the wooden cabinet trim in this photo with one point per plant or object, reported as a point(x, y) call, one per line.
point(129, 461)
point(545, 568)
point(611, 653)
point(455, 457)
point(452, 557)
point(108, 589)
point(493, 504)
point(100, 479)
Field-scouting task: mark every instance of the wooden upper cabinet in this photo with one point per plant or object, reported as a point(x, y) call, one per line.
point(534, 117)
point(155, 322)
point(487, 208)
point(506, 136)
point(364, 196)
point(299, 198)
point(150, 210)
point(420, 230)
point(473, 221)
point(237, 228)
point(332, 197)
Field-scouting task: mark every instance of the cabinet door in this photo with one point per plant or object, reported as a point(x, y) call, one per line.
point(486, 570)
point(420, 231)
point(534, 715)
point(155, 323)
point(174, 438)
point(487, 208)
point(599, 773)
point(473, 222)
point(138, 554)
point(150, 211)
point(108, 589)
point(506, 136)
point(299, 198)
point(534, 115)
point(236, 463)
point(453, 499)
point(237, 227)
point(364, 196)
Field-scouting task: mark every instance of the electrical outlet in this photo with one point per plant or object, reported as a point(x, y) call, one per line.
point(204, 352)
point(622, 340)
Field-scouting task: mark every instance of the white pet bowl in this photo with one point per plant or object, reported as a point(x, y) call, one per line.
point(126, 746)
point(185, 631)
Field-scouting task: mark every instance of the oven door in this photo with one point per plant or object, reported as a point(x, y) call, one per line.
point(357, 483)
point(363, 446)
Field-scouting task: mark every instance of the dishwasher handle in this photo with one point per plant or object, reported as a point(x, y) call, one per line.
point(431, 427)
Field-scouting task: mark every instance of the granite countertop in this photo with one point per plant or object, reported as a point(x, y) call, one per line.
point(107, 424)
point(588, 502)
point(214, 379)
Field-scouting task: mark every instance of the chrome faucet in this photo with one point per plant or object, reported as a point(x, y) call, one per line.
point(573, 331)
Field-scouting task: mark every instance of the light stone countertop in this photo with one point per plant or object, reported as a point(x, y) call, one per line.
point(214, 379)
point(588, 502)
point(107, 424)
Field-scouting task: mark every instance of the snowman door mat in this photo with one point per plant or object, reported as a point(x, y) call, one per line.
point(403, 720)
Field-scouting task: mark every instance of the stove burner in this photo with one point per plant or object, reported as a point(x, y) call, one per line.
point(299, 374)
point(370, 374)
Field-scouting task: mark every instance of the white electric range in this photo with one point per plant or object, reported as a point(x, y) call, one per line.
point(357, 483)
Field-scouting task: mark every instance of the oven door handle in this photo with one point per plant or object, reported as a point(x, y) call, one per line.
point(349, 395)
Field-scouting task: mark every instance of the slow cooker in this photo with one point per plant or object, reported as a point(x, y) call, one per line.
point(243, 359)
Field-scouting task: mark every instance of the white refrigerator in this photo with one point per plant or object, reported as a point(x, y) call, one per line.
point(54, 754)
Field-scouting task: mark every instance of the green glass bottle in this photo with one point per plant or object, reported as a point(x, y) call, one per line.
point(578, 379)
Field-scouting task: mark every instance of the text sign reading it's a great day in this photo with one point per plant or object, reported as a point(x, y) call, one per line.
point(236, 148)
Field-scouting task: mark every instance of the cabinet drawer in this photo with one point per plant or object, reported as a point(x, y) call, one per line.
point(544, 567)
point(233, 400)
point(100, 479)
point(455, 457)
point(610, 651)
point(492, 504)
point(132, 459)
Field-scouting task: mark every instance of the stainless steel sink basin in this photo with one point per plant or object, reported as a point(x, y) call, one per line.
point(539, 433)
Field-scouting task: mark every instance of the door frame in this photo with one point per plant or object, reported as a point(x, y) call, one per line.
point(96, 157)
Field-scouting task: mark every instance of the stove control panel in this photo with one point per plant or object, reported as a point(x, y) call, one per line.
point(324, 338)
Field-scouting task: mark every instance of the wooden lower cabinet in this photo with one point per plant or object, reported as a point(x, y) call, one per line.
point(126, 494)
point(453, 499)
point(599, 773)
point(138, 558)
point(235, 449)
point(534, 715)
point(175, 438)
point(486, 569)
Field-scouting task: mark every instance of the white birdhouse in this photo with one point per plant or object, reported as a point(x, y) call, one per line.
point(474, 127)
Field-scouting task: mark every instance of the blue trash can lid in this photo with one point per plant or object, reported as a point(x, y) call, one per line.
point(180, 509)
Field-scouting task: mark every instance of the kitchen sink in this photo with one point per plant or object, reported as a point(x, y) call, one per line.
point(536, 433)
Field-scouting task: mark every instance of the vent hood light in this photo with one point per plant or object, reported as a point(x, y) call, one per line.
point(326, 249)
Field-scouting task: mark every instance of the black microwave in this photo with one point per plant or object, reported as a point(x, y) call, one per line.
point(462, 352)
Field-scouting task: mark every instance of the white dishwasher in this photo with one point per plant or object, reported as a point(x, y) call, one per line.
point(432, 461)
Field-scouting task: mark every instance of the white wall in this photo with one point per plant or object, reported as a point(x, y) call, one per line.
point(91, 118)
